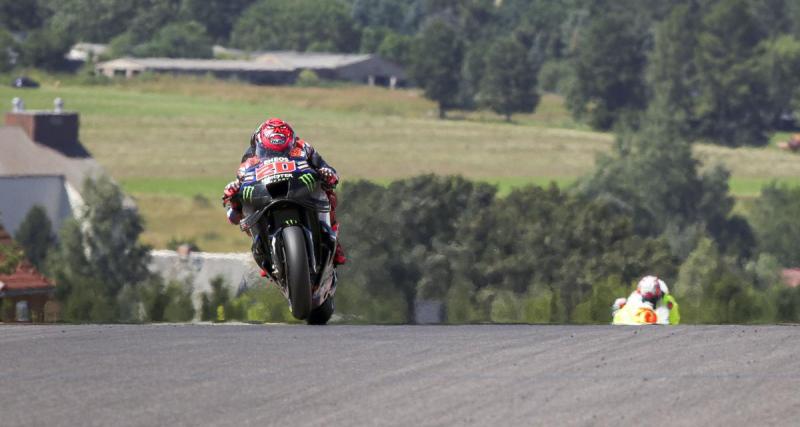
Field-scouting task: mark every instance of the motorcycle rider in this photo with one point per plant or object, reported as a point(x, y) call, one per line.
point(649, 303)
point(276, 138)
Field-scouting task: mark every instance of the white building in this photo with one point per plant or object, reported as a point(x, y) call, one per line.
point(279, 67)
point(42, 162)
point(86, 51)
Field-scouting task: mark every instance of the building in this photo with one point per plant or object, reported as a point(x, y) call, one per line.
point(43, 163)
point(246, 70)
point(791, 277)
point(84, 52)
point(282, 67)
point(25, 295)
point(357, 68)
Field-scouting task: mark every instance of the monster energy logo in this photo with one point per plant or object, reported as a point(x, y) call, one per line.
point(291, 222)
point(247, 194)
point(308, 180)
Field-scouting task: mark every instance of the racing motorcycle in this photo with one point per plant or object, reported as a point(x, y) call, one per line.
point(281, 199)
point(666, 313)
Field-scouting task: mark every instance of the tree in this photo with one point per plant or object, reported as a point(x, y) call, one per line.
point(509, 81)
point(436, 56)
point(297, 25)
point(217, 16)
point(780, 61)
point(654, 177)
point(8, 48)
point(403, 240)
point(371, 38)
point(178, 40)
point(609, 64)
point(109, 18)
point(731, 105)
point(17, 16)
point(98, 254)
point(35, 235)
point(381, 13)
point(166, 302)
point(672, 71)
point(545, 241)
point(774, 216)
point(539, 24)
point(710, 289)
point(396, 47)
point(10, 256)
point(45, 48)
point(219, 299)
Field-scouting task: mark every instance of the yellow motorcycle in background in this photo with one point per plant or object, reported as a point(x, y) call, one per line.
point(666, 313)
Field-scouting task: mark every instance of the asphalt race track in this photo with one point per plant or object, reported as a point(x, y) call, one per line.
point(168, 375)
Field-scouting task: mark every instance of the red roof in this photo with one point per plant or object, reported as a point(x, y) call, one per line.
point(791, 277)
point(25, 278)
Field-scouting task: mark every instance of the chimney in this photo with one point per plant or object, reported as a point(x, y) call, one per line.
point(18, 104)
point(56, 129)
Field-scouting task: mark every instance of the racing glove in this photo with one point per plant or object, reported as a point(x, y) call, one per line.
point(329, 177)
point(230, 190)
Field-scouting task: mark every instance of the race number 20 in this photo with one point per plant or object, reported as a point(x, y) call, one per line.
point(274, 168)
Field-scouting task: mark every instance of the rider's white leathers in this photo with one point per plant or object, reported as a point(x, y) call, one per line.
point(634, 302)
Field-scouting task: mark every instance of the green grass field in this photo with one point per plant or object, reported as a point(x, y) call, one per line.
point(174, 142)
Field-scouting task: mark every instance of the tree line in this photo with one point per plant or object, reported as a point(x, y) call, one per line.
point(536, 255)
point(724, 69)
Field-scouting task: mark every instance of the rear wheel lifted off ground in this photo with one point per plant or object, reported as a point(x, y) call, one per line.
point(321, 314)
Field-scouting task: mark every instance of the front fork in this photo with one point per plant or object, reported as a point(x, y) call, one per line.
point(269, 254)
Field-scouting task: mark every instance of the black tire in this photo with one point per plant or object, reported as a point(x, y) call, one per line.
point(321, 314)
point(296, 271)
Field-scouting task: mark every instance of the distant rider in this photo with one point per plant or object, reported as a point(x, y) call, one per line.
point(276, 138)
point(649, 303)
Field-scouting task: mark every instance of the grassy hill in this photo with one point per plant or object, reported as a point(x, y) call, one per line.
point(167, 137)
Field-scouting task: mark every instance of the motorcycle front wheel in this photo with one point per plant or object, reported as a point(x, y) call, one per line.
point(296, 271)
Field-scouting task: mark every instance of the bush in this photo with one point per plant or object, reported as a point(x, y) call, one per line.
point(308, 78)
point(216, 300)
point(774, 218)
point(7, 48)
point(554, 77)
point(177, 40)
point(45, 48)
point(538, 308)
point(262, 303)
point(597, 307)
point(98, 255)
point(35, 235)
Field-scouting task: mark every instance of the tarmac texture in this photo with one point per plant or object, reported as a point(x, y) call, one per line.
point(291, 375)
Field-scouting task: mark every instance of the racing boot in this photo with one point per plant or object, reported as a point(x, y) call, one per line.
point(338, 255)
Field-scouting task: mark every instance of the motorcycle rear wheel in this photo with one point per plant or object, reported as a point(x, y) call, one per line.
point(321, 314)
point(297, 272)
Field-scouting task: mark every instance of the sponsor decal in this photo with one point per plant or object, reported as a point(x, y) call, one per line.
point(279, 166)
point(276, 178)
point(247, 194)
point(308, 180)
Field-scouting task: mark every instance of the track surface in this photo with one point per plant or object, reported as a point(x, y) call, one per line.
point(398, 375)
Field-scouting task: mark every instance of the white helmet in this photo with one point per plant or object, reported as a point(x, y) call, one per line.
point(651, 288)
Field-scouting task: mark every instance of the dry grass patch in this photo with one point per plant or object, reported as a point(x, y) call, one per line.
point(169, 218)
point(168, 139)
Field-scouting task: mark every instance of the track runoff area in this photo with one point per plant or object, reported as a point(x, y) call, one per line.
point(399, 375)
